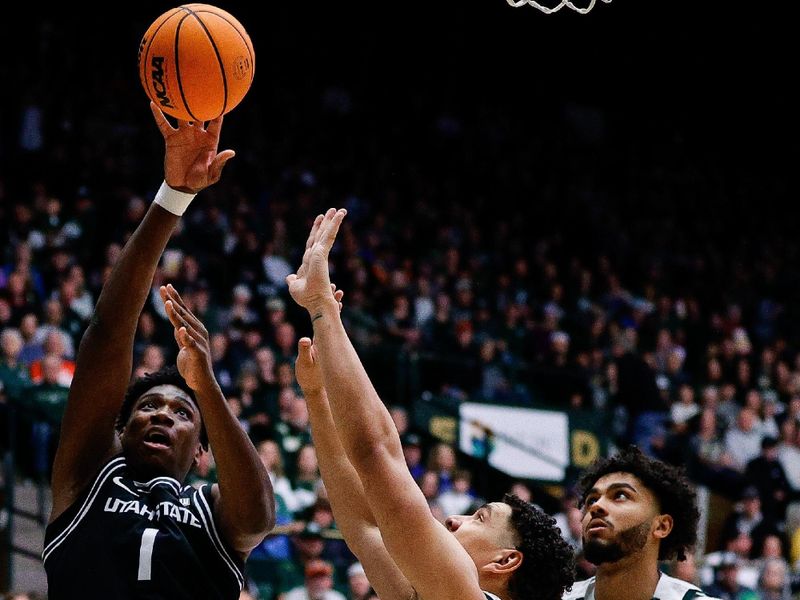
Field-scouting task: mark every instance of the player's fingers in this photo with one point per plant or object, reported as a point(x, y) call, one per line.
point(328, 233)
point(219, 162)
point(314, 228)
point(185, 339)
point(172, 314)
point(214, 127)
point(304, 351)
point(175, 295)
point(161, 120)
point(189, 318)
point(179, 321)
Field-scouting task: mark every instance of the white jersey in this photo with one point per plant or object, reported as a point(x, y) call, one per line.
point(668, 588)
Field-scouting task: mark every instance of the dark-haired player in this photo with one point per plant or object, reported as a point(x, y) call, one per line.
point(123, 524)
point(506, 550)
point(636, 512)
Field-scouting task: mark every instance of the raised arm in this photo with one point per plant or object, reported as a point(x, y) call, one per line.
point(104, 360)
point(350, 507)
point(244, 504)
point(436, 565)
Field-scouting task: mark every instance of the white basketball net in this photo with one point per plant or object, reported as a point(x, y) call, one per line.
point(547, 10)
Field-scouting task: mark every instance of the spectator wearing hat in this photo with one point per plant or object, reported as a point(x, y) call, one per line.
point(766, 473)
point(318, 584)
point(308, 544)
point(412, 450)
point(727, 584)
point(747, 526)
point(336, 551)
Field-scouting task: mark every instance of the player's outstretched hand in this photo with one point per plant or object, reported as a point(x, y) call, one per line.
point(194, 356)
point(311, 285)
point(191, 161)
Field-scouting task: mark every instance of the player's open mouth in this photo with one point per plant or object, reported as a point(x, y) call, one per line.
point(157, 440)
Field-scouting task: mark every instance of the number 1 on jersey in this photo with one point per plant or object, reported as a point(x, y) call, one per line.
point(146, 553)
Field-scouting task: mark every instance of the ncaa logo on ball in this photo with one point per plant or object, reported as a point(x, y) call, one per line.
point(241, 67)
point(158, 82)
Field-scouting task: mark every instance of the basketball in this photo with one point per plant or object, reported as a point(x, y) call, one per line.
point(196, 62)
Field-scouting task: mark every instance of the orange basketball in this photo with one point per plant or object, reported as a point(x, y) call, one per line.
point(196, 62)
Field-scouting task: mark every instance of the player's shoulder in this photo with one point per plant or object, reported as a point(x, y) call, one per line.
point(670, 588)
point(579, 590)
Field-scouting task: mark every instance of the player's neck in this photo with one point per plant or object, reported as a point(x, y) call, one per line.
point(631, 578)
point(498, 588)
point(141, 471)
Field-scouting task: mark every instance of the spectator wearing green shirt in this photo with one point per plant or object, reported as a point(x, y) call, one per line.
point(47, 402)
point(14, 379)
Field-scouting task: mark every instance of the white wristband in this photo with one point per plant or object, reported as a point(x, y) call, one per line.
point(173, 200)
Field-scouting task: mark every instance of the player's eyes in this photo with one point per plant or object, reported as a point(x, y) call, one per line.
point(183, 412)
point(621, 495)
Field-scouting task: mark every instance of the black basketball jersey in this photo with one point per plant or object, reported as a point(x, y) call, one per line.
point(146, 540)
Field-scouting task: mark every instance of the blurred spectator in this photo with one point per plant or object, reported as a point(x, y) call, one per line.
point(47, 401)
point(428, 482)
point(399, 415)
point(306, 477)
point(747, 522)
point(31, 349)
point(686, 569)
point(412, 451)
point(67, 326)
point(773, 581)
point(766, 473)
point(357, 583)
point(521, 489)
point(442, 461)
point(205, 471)
point(743, 440)
point(224, 370)
point(151, 360)
point(318, 583)
point(789, 451)
point(726, 585)
point(460, 498)
point(53, 347)
point(308, 545)
point(709, 461)
point(14, 376)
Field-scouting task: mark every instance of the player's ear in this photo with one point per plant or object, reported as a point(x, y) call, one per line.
point(663, 526)
point(505, 562)
point(197, 455)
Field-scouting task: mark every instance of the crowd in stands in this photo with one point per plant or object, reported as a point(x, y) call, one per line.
point(515, 266)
